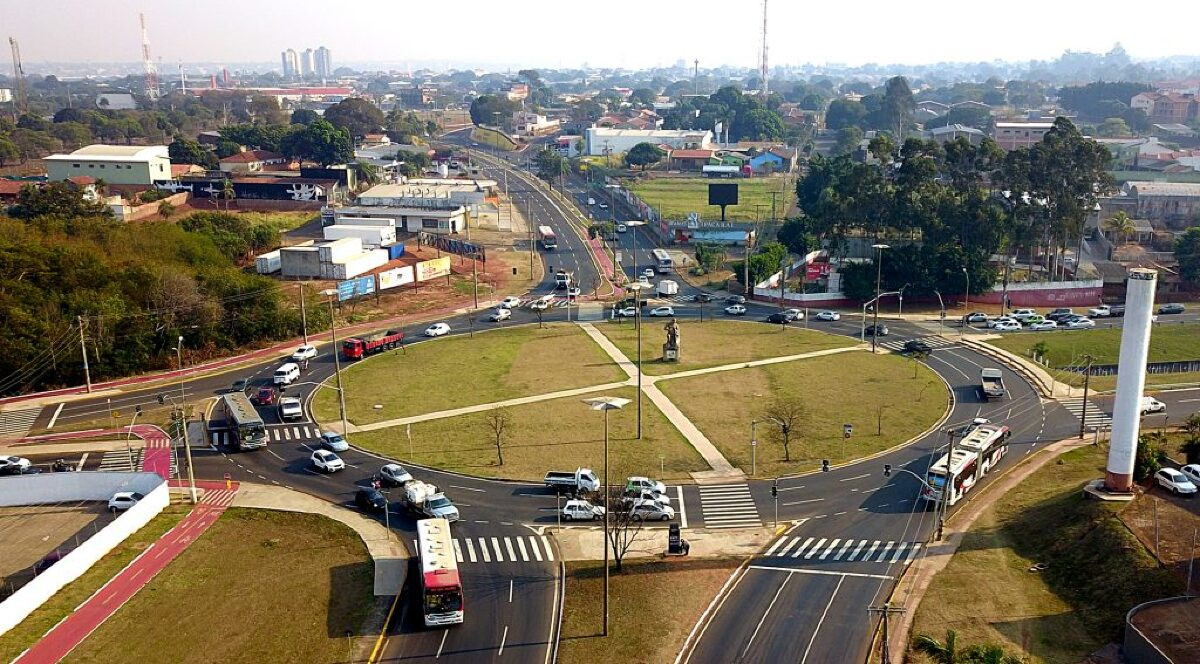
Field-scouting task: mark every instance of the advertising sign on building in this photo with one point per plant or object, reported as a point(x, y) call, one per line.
point(432, 269)
point(352, 288)
point(396, 277)
point(814, 271)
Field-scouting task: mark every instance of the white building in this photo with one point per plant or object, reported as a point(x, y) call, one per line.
point(116, 101)
point(532, 124)
point(424, 192)
point(324, 62)
point(115, 164)
point(291, 63)
point(599, 141)
point(446, 218)
point(1014, 135)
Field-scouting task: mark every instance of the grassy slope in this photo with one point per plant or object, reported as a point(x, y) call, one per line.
point(560, 434)
point(258, 586)
point(676, 197)
point(1066, 347)
point(1097, 570)
point(835, 390)
point(461, 371)
point(714, 343)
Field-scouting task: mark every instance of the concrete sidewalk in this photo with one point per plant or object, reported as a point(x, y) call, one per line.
point(576, 543)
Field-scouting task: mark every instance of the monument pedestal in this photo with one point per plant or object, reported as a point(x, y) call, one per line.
point(670, 354)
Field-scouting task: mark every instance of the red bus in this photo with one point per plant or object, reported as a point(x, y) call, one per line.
point(441, 589)
point(961, 471)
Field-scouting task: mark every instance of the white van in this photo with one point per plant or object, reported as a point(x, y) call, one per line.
point(1151, 405)
point(286, 374)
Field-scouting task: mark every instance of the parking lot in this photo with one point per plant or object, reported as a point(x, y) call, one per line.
point(30, 533)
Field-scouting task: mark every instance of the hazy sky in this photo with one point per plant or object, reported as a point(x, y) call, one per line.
point(569, 33)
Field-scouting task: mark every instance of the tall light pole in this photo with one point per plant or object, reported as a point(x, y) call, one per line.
point(137, 410)
point(633, 226)
point(637, 287)
point(753, 448)
point(187, 447)
point(337, 365)
point(878, 277)
point(303, 315)
point(966, 304)
point(606, 404)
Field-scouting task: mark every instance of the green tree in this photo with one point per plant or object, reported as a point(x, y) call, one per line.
point(848, 139)
point(844, 113)
point(644, 154)
point(1121, 225)
point(320, 142)
point(165, 209)
point(1187, 252)
point(303, 116)
point(644, 97)
point(1191, 441)
point(186, 151)
point(8, 151)
point(989, 654)
point(492, 109)
point(227, 192)
point(356, 115)
point(1150, 455)
point(941, 652)
point(796, 234)
point(710, 256)
point(1114, 128)
point(56, 199)
point(550, 165)
point(896, 110)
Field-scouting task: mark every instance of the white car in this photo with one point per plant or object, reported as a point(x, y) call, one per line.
point(603, 206)
point(1007, 326)
point(510, 302)
point(1080, 324)
point(327, 461)
point(977, 317)
point(437, 330)
point(290, 408)
point(1022, 314)
point(648, 273)
point(627, 312)
point(638, 482)
point(648, 497)
point(539, 305)
point(828, 315)
point(581, 510)
point(1150, 405)
point(735, 310)
point(574, 292)
point(1192, 472)
point(662, 311)
point(794, 314)
point(13, 465)
point(1043, 325)
point(1174, 481)
point(305, 352)
point(650, 511)
point(123, 500)
point(1100, 311)
point(1001, 320)
point(499, 315)
point(621, 228)
point(394, 474)
point(335, 442)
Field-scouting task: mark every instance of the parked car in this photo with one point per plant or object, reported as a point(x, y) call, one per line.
point(1035, 319)
point(370, 500)
point(239, 385)
point(879, 330)
point(651, 511)
point(1174, 481)
point(1043, 325)
point(621, 228)
point(334, 442)
point(48, 561)
point(305, 352)
point(794, 314)
point(735, 299)
point(634, 497)
point(499, 315)
point(735, 310)
point(14, 465)
point(394, 474)
point(290, 408)
point(1148, 405)
point(662, 311)
point(627, 312)
point(917, 346)
point(510, 302)
point(123, 500)
point(1171, 309)
point(266, 396)
point(603, 206)
point(437, 330)
point(828, 315)
point(1022, 314)
point(1080, 324)
point(1102, 311)
point(327, 461)
point(779, 318)
point(976, 317)
point(1192, 472)
point(1007, 326)
point(581, 510)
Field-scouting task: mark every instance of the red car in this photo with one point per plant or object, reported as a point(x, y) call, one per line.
point(266, 396)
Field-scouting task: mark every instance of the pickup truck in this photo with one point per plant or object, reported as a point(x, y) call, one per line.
point(991, 384)
point(1105, 311)
point(424, 499)
point(581, 479)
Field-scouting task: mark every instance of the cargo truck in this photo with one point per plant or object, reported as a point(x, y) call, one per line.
point(579, 480)
point(424, 499)
point(991, 384)
point(358, 347)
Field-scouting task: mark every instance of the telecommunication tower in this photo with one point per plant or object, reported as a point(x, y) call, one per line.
point(147, 63)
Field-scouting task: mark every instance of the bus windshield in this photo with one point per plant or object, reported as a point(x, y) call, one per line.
point(443, 600)
point(252, 433)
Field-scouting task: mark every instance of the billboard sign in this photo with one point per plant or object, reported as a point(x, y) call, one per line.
point(396, 277)
point(453, 246)
point(352, 288)
point(815, 271)
point(432, 269)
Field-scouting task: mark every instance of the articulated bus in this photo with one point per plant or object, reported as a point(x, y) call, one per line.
point(548, 239)
point(960, 467)
point(989, 442)
point(662, 261)
point(245, 424)
point(441, 589)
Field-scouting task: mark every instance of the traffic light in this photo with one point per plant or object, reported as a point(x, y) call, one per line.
point(824, 465)
point(887, 470)
point(774, 491)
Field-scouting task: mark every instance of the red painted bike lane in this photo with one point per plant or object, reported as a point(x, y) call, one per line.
point(66, 635)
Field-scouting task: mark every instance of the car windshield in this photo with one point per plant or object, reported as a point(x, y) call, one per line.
point(334, 439)
point(440, 502)
point(439, 600)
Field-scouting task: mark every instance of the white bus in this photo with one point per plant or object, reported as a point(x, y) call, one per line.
point(989, 442)
point(441, 588)
point(547, 238)
point(662, 261)
point(960, 468)
point(246, 426)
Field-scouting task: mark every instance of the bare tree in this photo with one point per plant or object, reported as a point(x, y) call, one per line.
point(499, 420)
point(917, 357)
point(623, 527)
point(787, 414)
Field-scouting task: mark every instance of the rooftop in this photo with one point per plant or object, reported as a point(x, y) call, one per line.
point(1145, 188)
point(113, 153)
point(252, 156)
point(691, 154)
point(645, 133)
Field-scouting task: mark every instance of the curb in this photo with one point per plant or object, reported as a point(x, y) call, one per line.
point(1013, 363)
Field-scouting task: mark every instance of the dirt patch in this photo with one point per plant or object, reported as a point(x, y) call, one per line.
point(33, 532)
point(1174, 627)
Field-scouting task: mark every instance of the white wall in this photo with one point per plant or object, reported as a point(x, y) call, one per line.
point(54, 487)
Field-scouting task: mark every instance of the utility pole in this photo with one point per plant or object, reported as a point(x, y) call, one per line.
point(947, 486)
point(885, 611)
point(303, 315)
point(1087, 375)
point(878, 275)
point(337, 366)
point(183, 419)
point(87, 374)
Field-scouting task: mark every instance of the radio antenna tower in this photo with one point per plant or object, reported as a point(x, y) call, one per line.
point(19, 96)
point(147, 63)
point(763, 66)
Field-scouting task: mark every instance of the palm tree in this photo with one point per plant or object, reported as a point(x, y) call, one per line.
point(1121, 225)
point(989, 654)
point(939, 652)
point(227, 192)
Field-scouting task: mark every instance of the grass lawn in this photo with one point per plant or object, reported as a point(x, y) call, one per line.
point(1096, 570)
point(851, 387)
point(673, 592)
point(560, 434)
point(14, 641)
point(460, 371)
point(258, 586)
point(717, 342)
point(676, 197)
point(493, 138)
point(1066, 347)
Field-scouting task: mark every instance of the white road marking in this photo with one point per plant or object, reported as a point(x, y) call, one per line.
point(883, 554)
point(822, 620)
point(832, 546)
point(537, 553)
point(81, 460)
point(496, 546)
point(54, 418)
point(503, 638)
point(774, 546)
point(802, 547)
point(549, 551)
point(765, 614)
point(465, 488)
point(470, 550)
point(815, 548)
point(510, 590)
point(801, 502)
point(856, 477)
point(483, 550)
point(682, 507)
point(512, 555)
point(441, 645)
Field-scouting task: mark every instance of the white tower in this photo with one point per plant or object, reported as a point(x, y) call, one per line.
point(1131, 379)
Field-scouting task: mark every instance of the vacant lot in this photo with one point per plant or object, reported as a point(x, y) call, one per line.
point(560, 434)
point(877, 395)
point(718, 342)
point(1095, 570)
point(462, 371)
point(258, 586)
point(31, 532)
point(673, 592)
point(677, 197)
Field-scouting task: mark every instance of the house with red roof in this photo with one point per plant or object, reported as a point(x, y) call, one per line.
point(252, 161)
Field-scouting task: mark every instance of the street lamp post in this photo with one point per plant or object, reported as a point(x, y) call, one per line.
point(337, 365)
point(753, 447)
point(137, 410)
point(637, 287)
point(633, 225)
point(187, 446)
point(606, 404)
point(878, 277)
point(966, 304)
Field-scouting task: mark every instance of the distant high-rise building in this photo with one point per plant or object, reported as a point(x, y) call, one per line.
point(291, 64)
point(324, 63)
point(306, 62)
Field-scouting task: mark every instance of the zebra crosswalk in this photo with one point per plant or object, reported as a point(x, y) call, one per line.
point(16, 423)
point(728, 506)
point(275, 434)
point(123, 461)
point(829, 549)
point(934, 342)
point(529, 548)
point(1095, 416)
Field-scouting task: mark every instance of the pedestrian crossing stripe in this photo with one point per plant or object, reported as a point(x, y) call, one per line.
point(728, 506)
point(935, 342)
point(1095, 415)
point(16, 423)
point(529, 548)
point(276, 434)
point(847, 550)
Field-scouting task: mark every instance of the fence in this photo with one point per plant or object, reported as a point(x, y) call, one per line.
point(1181, 366)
